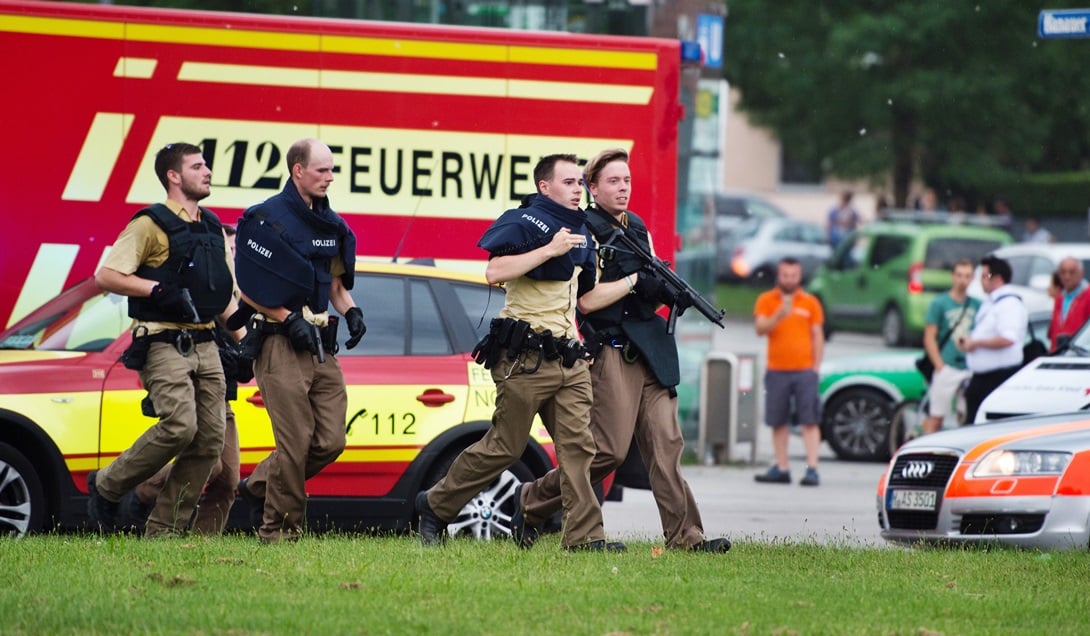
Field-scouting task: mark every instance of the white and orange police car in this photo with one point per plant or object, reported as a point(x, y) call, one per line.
point(415, 400)
point(1020, 482)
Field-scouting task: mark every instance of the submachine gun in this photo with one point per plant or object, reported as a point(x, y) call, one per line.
point(675, 285)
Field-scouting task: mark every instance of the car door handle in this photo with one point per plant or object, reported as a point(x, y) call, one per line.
point(257, 400)
point(435, 397)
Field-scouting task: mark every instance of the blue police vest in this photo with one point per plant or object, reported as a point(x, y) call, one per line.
point(533, 225)
point(196, 260)
point(285, 251)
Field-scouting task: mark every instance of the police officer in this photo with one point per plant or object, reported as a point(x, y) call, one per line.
point(634, 374)
point(173, 263)
point(295, 257)
point(215, 503)
point(539, 253)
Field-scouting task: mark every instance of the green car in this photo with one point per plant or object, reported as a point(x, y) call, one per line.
point(864, 399)
point(883, 277)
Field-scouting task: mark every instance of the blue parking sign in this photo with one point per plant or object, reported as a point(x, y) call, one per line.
point(709, 32)
point(1065, 23)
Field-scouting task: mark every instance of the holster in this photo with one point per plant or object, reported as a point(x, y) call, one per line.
point(136, 356)
point(329, 335)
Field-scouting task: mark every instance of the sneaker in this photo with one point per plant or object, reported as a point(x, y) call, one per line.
point(433, 530)
point(712, 545)
point(253, 502)
point(524, 535)
point(775, 475)
point(810, 478)
point(103, 513)
point(133, 512)
point(598, 546)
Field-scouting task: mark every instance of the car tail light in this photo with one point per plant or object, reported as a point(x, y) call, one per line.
point(915, 278)
point(738, 263)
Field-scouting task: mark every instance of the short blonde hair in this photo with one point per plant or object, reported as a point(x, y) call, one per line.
point(601, 160)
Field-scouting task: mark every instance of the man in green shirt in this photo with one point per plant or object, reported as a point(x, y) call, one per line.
point(949, 316)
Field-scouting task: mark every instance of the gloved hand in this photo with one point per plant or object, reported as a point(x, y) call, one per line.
point(301, 333)
point(683, 300)
point(229, 360)
point(651, 289)
point(241, 316)
point(356, 328)
point(169, 298)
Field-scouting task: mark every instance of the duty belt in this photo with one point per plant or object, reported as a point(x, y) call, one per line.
point(184, 340)
point(329, 333)
point(516, 339)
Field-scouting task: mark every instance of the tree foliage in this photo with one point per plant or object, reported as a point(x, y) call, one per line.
point(956, 94)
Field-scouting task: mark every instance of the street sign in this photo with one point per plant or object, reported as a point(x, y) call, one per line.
point(1065, 23)
point(709, 32)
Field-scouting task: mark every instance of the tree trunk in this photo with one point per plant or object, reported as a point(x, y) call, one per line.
point(904, 137)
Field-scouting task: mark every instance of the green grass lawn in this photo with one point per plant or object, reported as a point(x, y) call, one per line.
point(737, 299)
point(341, 584)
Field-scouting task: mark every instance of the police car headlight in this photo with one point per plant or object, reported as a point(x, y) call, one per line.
point(1006, 463)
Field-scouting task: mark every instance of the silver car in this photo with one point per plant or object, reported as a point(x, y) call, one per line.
point(751, 251)
point(1021, 482)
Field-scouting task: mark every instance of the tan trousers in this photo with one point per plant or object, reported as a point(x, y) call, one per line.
point(563, 398)
point(628, 402)
point(308, 404)
point(188, 394)
point(219, 493)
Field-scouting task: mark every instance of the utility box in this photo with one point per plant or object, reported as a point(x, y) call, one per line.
point(731, 390)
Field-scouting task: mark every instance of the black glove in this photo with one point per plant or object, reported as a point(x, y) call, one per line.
point(241, 316)
point(303, 335)
point(683, 300)
point(356, 328)
point(229, 360)
point(651, 289)
point(169, 298)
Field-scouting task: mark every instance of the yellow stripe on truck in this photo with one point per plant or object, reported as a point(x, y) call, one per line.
point(282, 41)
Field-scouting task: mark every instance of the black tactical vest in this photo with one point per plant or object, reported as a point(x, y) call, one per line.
point(633, 316)
point(623, 263)
point(196, 260)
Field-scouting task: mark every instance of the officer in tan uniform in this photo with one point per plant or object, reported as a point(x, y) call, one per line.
point(539, 252)
point(173, 263)
point(296, 256)
point(634, 374)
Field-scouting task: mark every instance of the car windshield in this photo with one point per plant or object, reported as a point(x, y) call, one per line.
point(83, 318)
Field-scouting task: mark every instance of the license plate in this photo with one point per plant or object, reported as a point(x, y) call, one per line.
point(912, 499)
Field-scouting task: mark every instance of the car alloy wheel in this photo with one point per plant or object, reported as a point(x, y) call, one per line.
point(893, 327)
point(857, 424)
point(21, 500)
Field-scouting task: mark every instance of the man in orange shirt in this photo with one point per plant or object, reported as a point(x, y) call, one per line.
point(792, 319)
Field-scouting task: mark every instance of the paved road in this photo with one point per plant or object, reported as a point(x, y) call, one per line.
point(841, 511)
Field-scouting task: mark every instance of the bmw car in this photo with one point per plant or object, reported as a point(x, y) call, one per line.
point(415, 400)
point(1022, 482)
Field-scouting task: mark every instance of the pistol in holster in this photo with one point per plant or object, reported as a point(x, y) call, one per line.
point(136, 356)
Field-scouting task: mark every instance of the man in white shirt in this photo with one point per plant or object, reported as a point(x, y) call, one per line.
point(993, 349)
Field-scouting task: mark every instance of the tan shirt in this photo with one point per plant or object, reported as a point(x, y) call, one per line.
point(142, 242)
point(545, 304)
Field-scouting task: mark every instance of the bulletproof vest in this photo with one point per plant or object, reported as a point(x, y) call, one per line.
point(632, 315)
point(623, 263)
point(196, 260)
point(533, 225)
point(285, 251)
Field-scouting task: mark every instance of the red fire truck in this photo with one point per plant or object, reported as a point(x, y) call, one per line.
point(435, 129)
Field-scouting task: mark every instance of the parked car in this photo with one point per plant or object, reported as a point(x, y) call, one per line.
point(732, 208)
point(1049, 384)
point(1023, 482)
point(884, 276)
point(872, 403)
point(415, 400)
point(750, 253)
point(1032, 265)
